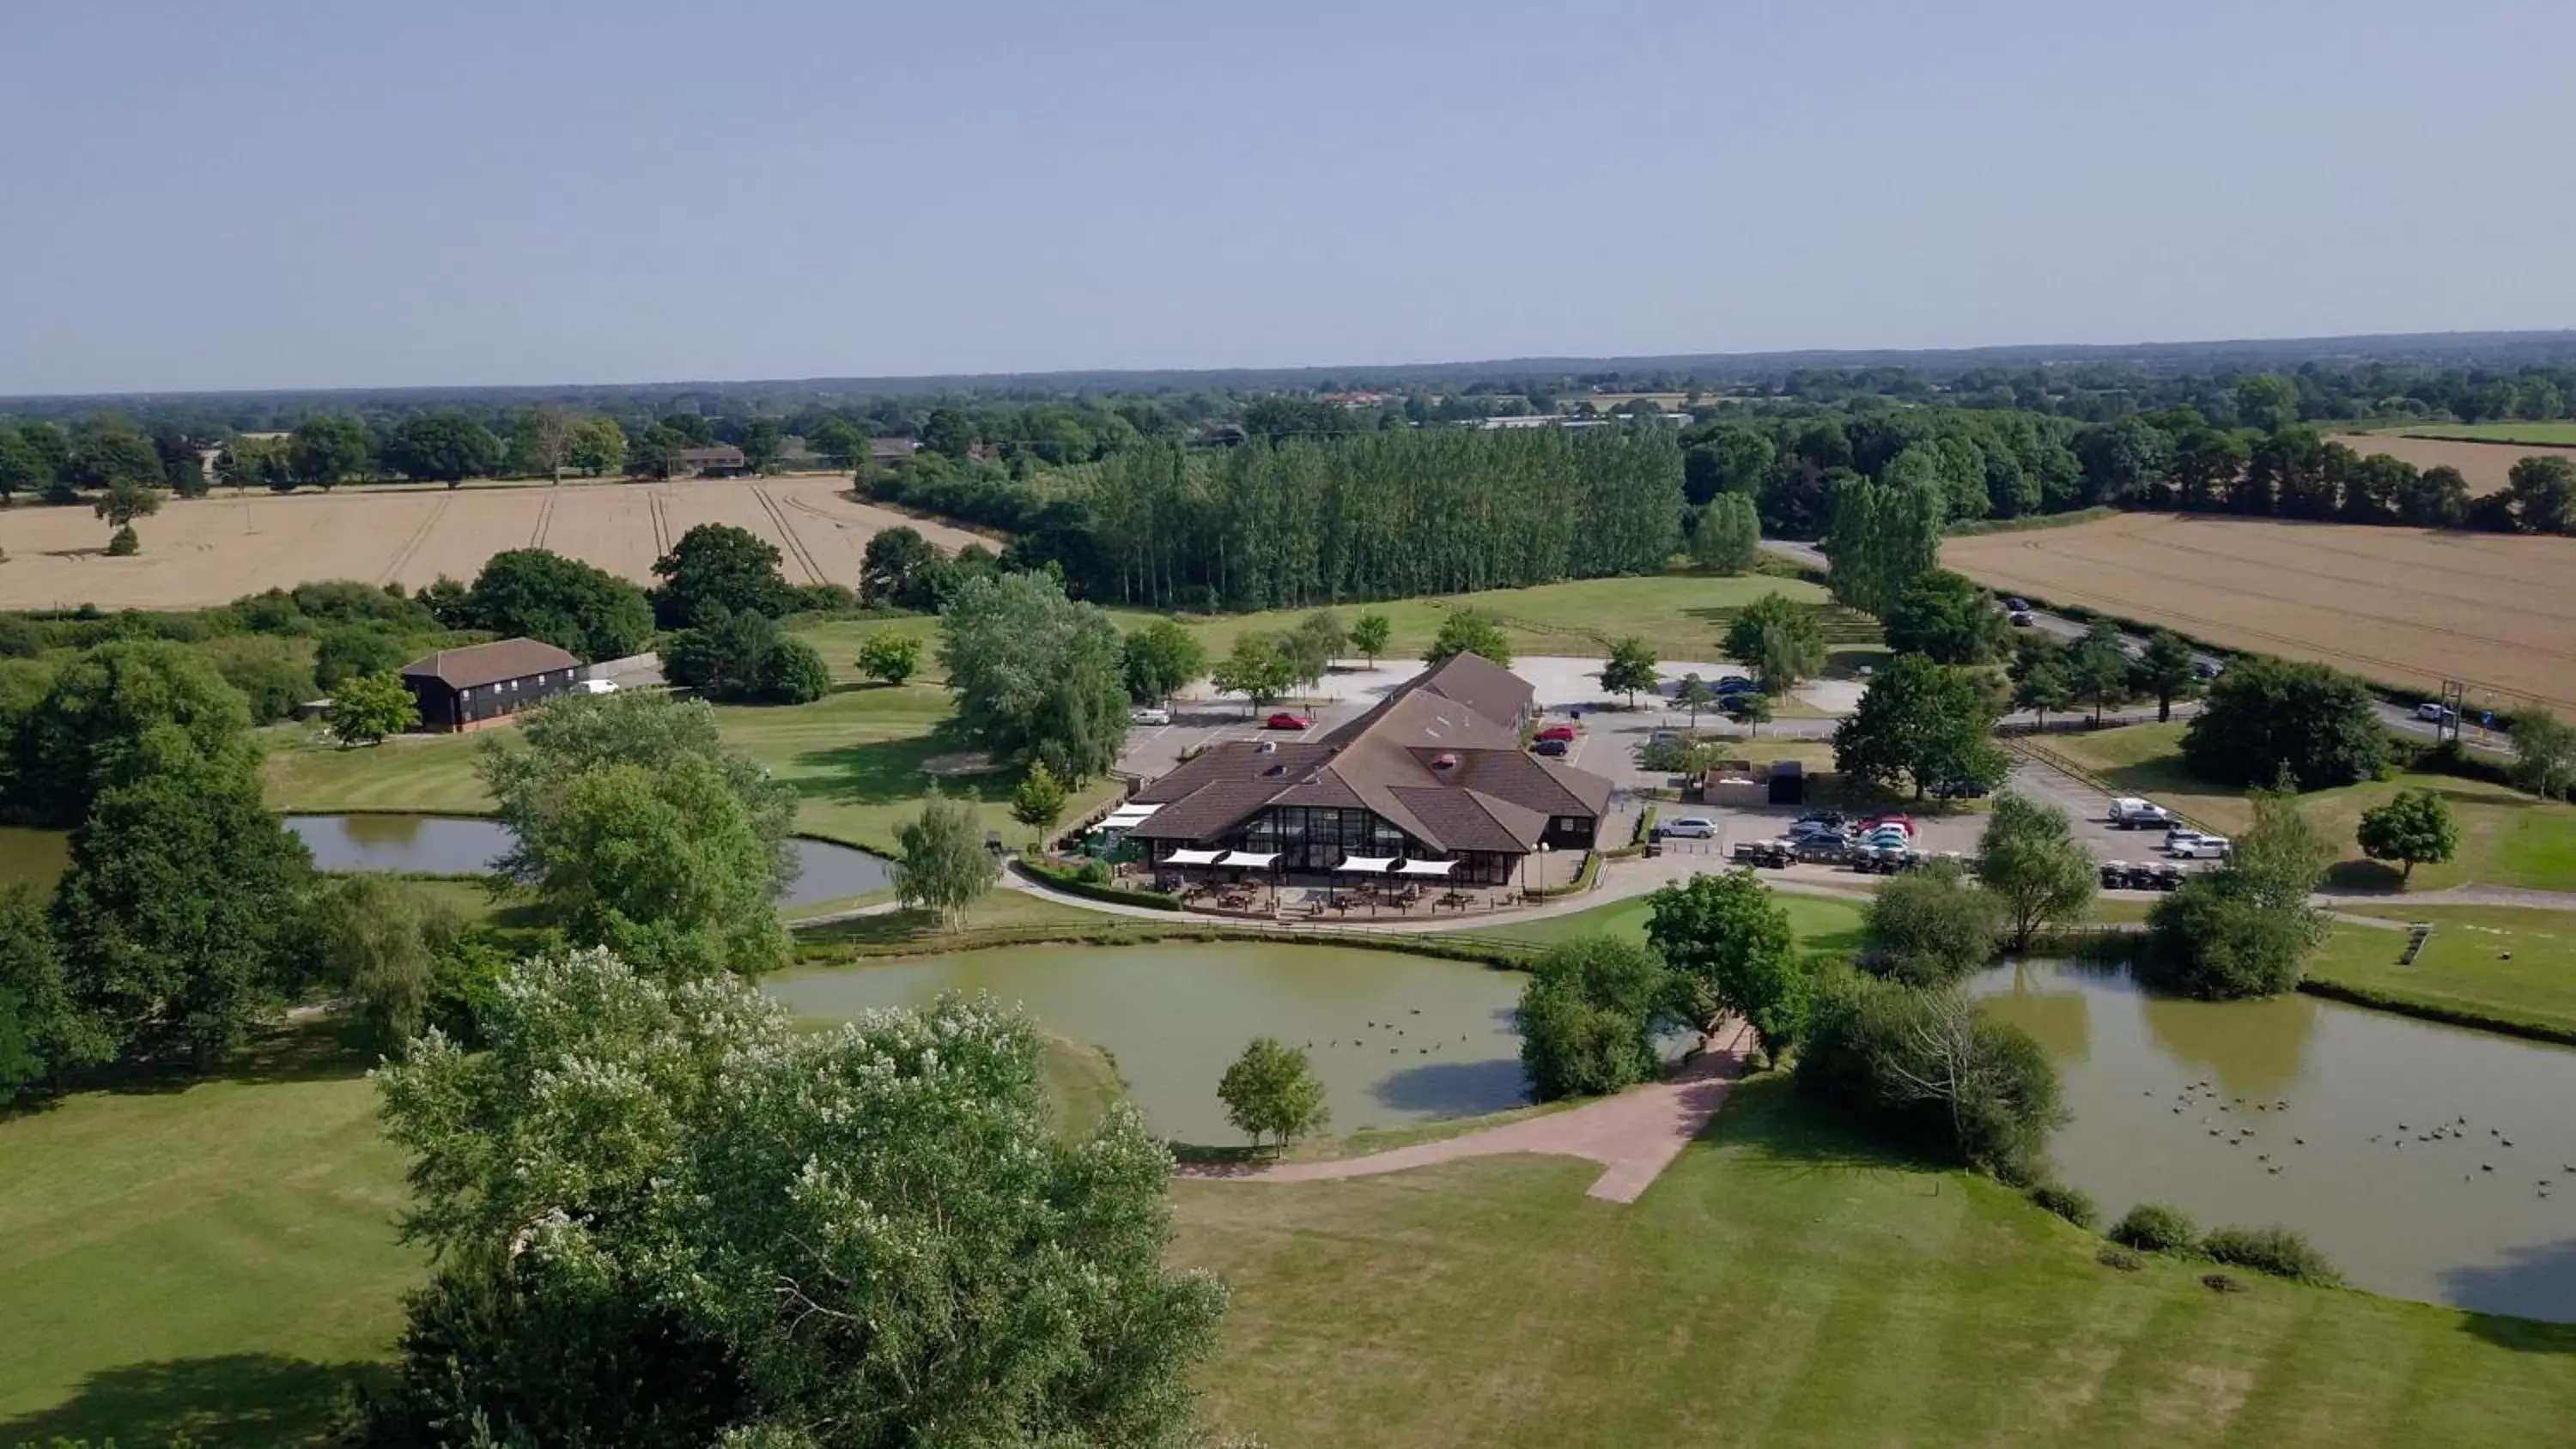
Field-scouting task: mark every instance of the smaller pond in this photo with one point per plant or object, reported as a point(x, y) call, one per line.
point(2428, 1161)
point(452, 845)
point(1395, 1038)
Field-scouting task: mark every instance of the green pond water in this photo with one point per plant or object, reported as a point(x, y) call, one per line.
point(2430, 1162)
point(1396, 1039)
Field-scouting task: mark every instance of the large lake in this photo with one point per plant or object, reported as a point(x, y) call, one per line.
point(2430, 1162)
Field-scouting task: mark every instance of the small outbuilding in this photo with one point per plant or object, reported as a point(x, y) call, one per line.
point(463, 689)
point(1788, 783)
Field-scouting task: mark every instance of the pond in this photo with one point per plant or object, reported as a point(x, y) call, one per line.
point(2428, 1161)
point(1396, 1038)
point(453, 845)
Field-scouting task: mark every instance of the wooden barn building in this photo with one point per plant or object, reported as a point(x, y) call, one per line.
point(460, 689)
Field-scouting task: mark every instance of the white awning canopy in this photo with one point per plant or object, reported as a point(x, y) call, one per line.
point(1191, 857)
point(1366, 864)
point(1249, 858)
point(1126, 816)
point(1426, 867)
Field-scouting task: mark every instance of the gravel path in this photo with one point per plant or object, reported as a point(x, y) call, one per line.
point(1633, 1135)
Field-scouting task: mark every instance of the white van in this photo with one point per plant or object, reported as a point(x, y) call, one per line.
point(597, 686)
point(2192, 845)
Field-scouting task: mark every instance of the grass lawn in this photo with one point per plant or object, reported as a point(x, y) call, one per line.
point(2506, 837)
point(1784, 1283)
point(1680, 616)
point(1822, 923)
point(212, 1258)
point(2500, 963)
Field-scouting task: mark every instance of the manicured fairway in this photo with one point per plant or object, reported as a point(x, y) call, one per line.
point(2494, 963)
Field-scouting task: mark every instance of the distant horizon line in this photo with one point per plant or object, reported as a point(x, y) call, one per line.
point(1103, 378)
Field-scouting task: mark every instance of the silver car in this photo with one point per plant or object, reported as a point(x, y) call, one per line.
point(1691, 827)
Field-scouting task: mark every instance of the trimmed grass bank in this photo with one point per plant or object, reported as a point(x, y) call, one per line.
point(2494, 967)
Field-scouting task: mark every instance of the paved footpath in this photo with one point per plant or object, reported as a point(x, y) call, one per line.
point(1633, 1135)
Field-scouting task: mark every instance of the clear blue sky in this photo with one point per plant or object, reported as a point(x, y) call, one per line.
point(209, 193)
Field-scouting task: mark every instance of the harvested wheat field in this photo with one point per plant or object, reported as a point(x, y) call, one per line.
point(2402, 606)
point(210, 550)
point(2484, 465)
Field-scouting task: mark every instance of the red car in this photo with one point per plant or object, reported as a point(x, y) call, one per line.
point(1565, 732)
point(1283, 720)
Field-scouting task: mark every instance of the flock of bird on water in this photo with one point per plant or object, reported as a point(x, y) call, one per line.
point(2455, 1130)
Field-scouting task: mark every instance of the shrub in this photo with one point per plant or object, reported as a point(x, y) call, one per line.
point(2071, 1203)
point(2280, 1252)
point(268, 672)
point(123, 543)
point(2120, 1258)
point(1926, 1067)
point(2153, 1227)
point(792, 673)
point(1589, 1015)
point(1932, 927)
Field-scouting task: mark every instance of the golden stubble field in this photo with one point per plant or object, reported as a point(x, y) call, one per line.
point(2483, 465)
point(211, 550)
point(2403, 606)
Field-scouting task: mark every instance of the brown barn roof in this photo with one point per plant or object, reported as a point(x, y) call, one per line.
point(483, 664)
point(1440, 759)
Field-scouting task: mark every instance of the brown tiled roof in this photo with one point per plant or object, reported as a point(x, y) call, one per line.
point(1482, 685)
point(482, 664)
point(1437, 764)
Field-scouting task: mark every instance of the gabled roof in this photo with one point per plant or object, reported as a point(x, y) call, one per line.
point(482, 664)
point(1440, 759)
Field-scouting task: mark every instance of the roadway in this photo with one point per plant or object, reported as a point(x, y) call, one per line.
point(2399, 718)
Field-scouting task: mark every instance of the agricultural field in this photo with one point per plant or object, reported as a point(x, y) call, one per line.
point(2477, 451)
point(2400, 606)
point(215, 549)
point(2506, 838)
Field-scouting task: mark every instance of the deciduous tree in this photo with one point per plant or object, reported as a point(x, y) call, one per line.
point(1731, 945)
point(1947, 618)
point(565, 602)
point(444, 447)
point(354, 649)
point(2412, 827)
point(1469, 631)
point(1630, 668)
point(1270, 1091)
point(945, 866)
point(1922, 724)
point(1255, 668)
point(2167, 670)
point(326, 451)
point(2030, 861)
point(1779, 641)
point(1932, 927)
point(597, 446)
point(116, 714)
point(889, 656)
point(1729, 537)
point(1038, 800)
point(2544, 753)
point(1589, 1016)
point(1037, 676)
point(1370, 634)
point(1693, 694)
point(2266, 715)
point(717, 563)
point(663, 1217)
point(366, 708)
point(1160, 660)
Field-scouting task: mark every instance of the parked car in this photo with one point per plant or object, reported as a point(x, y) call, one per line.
point(597, 686)
point(1834, 818)
point(1961, 790)
point(1896, 822)
point(1284, 720)
point(2016, 604)
point(1552, 747)
point(2021, 619)
point(2436, 712)
point(1564, 732)
point(2192, 845)
point(2130, 813)
point(1152, 714)
point(1690, 827)
point(2206, 669)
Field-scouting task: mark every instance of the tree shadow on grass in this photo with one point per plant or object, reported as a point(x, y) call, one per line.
point(247, 1399)
point(316, 1048)
point(1779, 1129)
point(883, 772)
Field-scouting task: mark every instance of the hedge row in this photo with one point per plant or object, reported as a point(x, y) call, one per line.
point(1070, 881)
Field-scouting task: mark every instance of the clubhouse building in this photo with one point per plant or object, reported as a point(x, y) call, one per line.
point(1434, 773)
